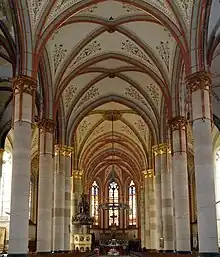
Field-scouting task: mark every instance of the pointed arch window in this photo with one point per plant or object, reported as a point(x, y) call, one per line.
point(95, 202)
point(5, 184)
point(113, 194)
point(132, 204)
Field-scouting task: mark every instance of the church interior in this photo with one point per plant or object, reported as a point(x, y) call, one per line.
point(109, 127)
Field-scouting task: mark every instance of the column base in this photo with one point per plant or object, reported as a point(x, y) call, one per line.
point(168, 251)
point(184, 252)
point(217, 254)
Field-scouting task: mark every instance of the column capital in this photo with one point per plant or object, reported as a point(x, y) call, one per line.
point(77, 173)
point(47, 125)
point(63, 150)
point(23, 83)
point(177, 123)
point(148, 173)
point(201, 80)
point(160, 149)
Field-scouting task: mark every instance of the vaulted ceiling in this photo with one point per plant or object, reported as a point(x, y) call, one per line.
point(111, 69)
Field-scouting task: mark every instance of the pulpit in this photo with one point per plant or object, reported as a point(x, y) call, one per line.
point(82, 239)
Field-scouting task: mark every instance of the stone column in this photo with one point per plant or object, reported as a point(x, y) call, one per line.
point(146, 210)
point(68, 187)
point(167, 202)
point(157, 150)
point(199, 85)
point(59, 198)
point(142, 217)
point(46, 158)
point(1, 160)
point(181, 192)
point(152, 209)
point(24, 88)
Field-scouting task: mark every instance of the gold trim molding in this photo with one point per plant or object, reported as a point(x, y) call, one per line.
point(160, 149)
point(64, 150)
point(201, 80)
point(148, 173)
point(77, 173)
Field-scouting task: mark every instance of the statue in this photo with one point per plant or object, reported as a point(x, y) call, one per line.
point(83, 207)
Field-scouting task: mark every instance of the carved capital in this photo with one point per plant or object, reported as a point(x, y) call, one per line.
point(24, 84)
point(47, 125)
point(199, 81)
point(148, 173)
point(160, 149)
point(178, 123)
point(63, 150)
point(77, 174)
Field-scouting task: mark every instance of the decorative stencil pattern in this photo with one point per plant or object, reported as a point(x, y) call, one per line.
point(143, 129)
point(69, 94)
point(131, 48)
point(36, 9)
point(154, 92)
point(58, 55)
point(92, 48)
point(185, 7)
point(164, 52)
point(89, 10)
point(90, 94)
point(130, 8)
point(133, 93)
point(82, 129)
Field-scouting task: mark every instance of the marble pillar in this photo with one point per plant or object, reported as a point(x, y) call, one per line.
point(181, 190)
point(167, 202)
point(157, 150)
point(59, 198)
point(142, 216)
point(1, 160)
point(199, 85)
point(152, 209)
point(68, 190)
point(146, 210)
point(24, 88)
point(46, 158)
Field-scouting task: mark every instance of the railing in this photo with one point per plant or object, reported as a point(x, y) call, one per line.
point(69, 254)
point(162, 254)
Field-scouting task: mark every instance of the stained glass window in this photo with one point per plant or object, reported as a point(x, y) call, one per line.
point(95, 202)
point(113, 195)
point(132, 204)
